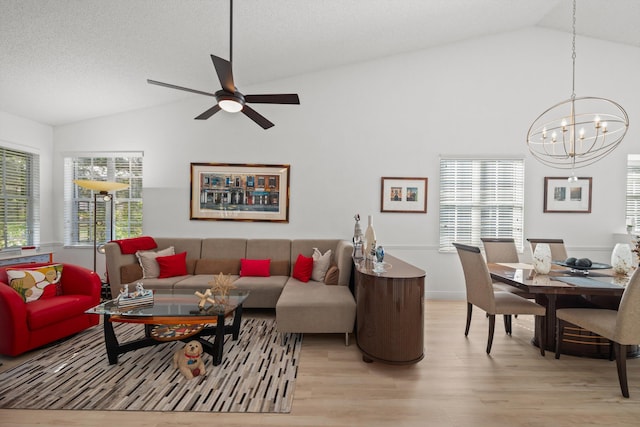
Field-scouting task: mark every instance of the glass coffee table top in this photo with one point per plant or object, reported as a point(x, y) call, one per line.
point(178, 304)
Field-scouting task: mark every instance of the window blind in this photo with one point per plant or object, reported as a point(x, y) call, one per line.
point(480, 198)
point(19, 198)
point(633, 191)
point(125, 167)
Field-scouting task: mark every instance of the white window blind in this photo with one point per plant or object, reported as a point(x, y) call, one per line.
point(633, 191)
point(480, 198)
point(19, 198)
point(125, 167)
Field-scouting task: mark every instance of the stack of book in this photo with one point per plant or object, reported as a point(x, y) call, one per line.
point(144, 297)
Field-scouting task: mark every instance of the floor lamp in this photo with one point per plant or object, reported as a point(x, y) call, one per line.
point(100, 189)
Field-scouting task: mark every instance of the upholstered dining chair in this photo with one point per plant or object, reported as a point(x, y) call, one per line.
point(503, 249)
point(481, 293)
point(558, 250)
point(621, 327)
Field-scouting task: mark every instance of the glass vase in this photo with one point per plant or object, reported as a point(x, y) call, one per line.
point(542, 258)
point(621, 258)
point(370, 240)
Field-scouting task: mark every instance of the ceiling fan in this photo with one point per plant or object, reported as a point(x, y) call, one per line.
point(229, 98)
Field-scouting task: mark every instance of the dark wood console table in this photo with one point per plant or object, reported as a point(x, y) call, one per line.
point(390, 312)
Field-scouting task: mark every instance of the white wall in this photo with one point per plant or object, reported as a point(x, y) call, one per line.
point(391, 117)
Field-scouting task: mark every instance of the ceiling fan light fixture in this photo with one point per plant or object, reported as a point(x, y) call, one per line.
point(230, 104)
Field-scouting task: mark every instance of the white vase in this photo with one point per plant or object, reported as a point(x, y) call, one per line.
point(621, 258)
point(542, 258)
point(370, 240)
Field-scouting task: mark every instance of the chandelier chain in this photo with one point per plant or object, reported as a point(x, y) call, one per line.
point(573, 53)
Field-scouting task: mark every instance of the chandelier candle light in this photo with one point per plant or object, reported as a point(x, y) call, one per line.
point(579, 131)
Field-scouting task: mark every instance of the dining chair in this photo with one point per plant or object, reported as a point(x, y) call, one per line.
point(503, 249)
point(558, 250)
point(621, 327)
point(480, 292)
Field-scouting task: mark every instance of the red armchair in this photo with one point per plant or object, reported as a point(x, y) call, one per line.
point(25, 326)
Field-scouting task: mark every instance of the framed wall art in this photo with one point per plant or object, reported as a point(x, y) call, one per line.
point(239, 192)
point(561, 195)
point(403, 195)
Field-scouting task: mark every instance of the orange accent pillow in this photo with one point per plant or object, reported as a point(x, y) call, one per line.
point(172, 265)
point(303, 268)
point(255, 267)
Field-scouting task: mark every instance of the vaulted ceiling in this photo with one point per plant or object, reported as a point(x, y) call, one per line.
point(63, 61)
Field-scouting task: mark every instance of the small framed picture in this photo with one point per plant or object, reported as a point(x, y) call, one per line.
point(403, 195)
point(562, 195)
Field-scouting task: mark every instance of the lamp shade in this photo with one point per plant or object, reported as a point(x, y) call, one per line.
point(100, 185)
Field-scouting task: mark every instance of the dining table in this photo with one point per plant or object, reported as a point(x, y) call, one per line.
point(568, 287)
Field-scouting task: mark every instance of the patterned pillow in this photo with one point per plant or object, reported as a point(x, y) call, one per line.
point(37, 282)
point(147, 259)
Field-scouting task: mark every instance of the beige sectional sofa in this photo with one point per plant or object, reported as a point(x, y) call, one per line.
point(311, 307)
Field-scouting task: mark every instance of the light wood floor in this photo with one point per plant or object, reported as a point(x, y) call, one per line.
point(456, 384)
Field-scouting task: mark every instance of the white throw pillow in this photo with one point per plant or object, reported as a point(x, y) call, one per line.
point(147, 260)
point(321, 264)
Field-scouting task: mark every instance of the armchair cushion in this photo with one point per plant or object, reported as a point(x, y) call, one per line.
point(46, 312)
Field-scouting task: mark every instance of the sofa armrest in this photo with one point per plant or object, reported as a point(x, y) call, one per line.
point(77, 280)
point(344, 260)
point(13, 318)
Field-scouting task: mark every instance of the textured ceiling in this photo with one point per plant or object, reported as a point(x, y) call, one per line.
point(68, 60)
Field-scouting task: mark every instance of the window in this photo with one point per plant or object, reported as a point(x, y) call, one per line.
point(19, 198)
point(123, 167)
point(480, 198)
point(633, 193)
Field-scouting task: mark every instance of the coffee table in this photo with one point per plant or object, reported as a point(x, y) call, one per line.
point(174, 316)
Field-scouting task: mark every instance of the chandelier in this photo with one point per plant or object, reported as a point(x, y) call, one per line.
point(579, 131)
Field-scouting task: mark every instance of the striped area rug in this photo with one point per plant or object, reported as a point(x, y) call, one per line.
point(257, 374)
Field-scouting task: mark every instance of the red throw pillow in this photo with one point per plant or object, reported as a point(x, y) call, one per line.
point(303, 268)
point(172, 265)
point(255, 267)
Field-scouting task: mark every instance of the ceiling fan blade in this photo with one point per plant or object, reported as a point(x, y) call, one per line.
point(282, 98)
point(210, 112)
point(225, 74)
point(170, 86)
point(256, 117)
